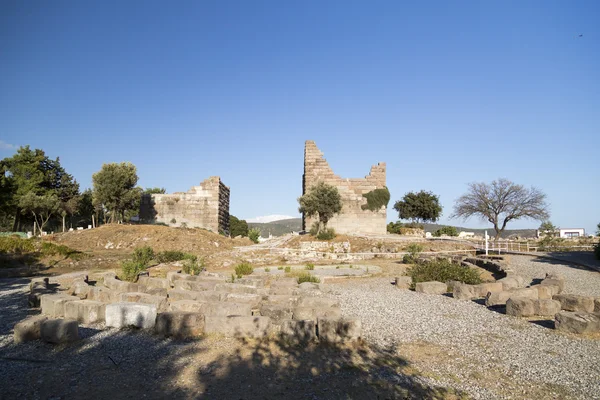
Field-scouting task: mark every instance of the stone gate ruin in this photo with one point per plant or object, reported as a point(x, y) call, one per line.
point(353, 217)
point(204, 206)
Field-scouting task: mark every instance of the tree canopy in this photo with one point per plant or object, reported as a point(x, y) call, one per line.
point(115, 189)
point(237, 227)
point(419, 207)
point(500, 202)
point(322, 200)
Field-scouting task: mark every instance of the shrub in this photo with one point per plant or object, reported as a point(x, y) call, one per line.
point(376, 199)
point(16, 245)
point(326, 234)
point(143, 255)
point(183, 225)
point(413, 225)
point(191, 265)
point(309, 267)
point(306, 277)
point(413, 249)
point(287, 270)
point(280, 268)
point(130, 270)
point(267, 269)
point(394, 227)
point(254, 234)
point(597, 251)
point(442, 270)
point(173, 221)
point(170, 256)
point(243, 269)
point(446, 231)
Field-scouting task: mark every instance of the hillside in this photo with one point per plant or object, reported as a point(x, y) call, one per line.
point(278, 228)
point(522, 233)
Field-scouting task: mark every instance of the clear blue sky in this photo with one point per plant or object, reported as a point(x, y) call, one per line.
point(445, 92)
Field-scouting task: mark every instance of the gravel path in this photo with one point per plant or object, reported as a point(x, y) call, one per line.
point(486, 353)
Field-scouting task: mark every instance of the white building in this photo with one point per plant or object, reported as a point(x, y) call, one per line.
point(565, 233)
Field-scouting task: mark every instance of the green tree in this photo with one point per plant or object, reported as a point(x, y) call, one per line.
point(419, 207)
point(598, 230)
point(155, 190)
point(547, 228)
point(237, 227)
point(68, 196)
point(322, 200)
point(85, 208)
point(115, 189)
point(41, 207)
point(500, 202)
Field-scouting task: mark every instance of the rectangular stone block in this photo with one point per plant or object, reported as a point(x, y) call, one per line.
point(547, 291)
point(29, 329)
point(187, 306)
point(154, 283)
point(53, 305)
point(253, 300)
point(573, 302)
point(465, 292)
point(403, 282)
point(196, 286)
point(236, 326)
point(284, 282)
point(103, 294)
point(235, 288)
point(318, 302)
point(121, 286)
point(225, 309)
point(256, 282)
point(483, 289)
point(59, 330)
point(554, 282)
point(80, 289)
point(577, 322)
point(520, 307)
point(161, 292)
point(431, 287)
point(209, 295)
point(160, 302)
point(35, 296)
point(297, 331)
point(339, 330)
point(546, 307)
point(284, 291)
point(180, 324)
point(66, 280)
point(277, 312)
point(139, 315)
point(85, 311)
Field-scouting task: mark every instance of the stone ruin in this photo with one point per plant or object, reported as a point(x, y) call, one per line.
point(204, 206)
point(353, 218)
point(572, 313)
point(184, 306)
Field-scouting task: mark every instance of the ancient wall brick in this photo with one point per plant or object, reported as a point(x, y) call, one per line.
point(204, 206)
point(352, 219)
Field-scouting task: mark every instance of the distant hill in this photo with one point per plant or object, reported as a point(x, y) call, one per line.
point(522, 233)
point(277, 228)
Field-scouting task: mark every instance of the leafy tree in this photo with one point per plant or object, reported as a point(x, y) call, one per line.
point(237, 227)
point(547, 228)
point(115, 189)
point(419, 207)
point(322, 200)
point(254, 235)
point(376, 199)
point(395, 227)
point(446, 231)
point(500, 202)
point(68, 196)
point(85, 208)
point(598, 230)
point(155, 190)
point(41, 207)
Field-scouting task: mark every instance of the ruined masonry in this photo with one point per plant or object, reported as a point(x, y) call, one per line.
point(204, 206)
point(352, 219)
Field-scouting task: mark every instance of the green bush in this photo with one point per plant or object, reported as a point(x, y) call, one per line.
point(413, 249)
point(243, 269)
point(143, 255)
point(306, 277)
point(130, 270)
point(280, 268)
point(413, 225)
point(394, 227)
point(287, 269)
point(173, 221)
point(170, 256)
point(326, 234)
point(443, 271)
point(267, 269)
point(191, 265)
point(309, 267)
point(16, 245)
point(254, 234)
point(446, 231)
point(376, 199)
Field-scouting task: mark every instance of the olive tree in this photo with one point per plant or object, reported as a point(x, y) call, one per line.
point(500, 202)
point(419, 207)
point(322, 200)
point(115, 189)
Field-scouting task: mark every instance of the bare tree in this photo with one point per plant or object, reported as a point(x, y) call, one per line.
point(500, 202)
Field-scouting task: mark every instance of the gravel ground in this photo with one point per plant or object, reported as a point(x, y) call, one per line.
point(483, 352)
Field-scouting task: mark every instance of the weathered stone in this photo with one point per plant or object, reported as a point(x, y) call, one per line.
point(403, 282)
point(85, 311)
point(520, 307)
point(573, 302)
point(154, 283)
point(546, 307)
point(29, 328)
point(339, 330)
point(173, 276)
point(308, 313)
point(145, 298)
point(254, 281)
point(79, 288)
point(120, 315)
point(296, 331)
point(176, 295)
point(577, 322)
point(547, 291)
point(53, 305)
point(597, 304)
point(500, 298)
point(235, 288)
point(560, 283)
point(284, 282)
point(180, 324)
point(284, 291)
point(66, 280)
point(35, 296)
point(225, 309)
point(161, 292)
point(317, 302)
point(253, 300)
point(465, 292)
point(511, 282)
point(40, 283)
point(196, 286)
point(103, 294)
point(282, 299)
point(276, 312)
point(59, 330)
point(483, 289)
point(432, 287)
point(187, 306)
point(304, 286)
point(121, 286)
point(237, 326)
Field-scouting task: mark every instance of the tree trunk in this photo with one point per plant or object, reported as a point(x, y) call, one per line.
point(64, 222)
point(17, 223)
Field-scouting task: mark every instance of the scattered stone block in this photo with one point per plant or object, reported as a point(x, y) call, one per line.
point(180, 324)
point(253, 300)
point(465, 292)
point(177, 294)
point(121, 286)
point(597, 304)
point(256, 282)
point(53, 305)
point(120, 315)
point(103, 294)
point(308, 313)
point(237, 326)
point(577, 322)
point(307, 286)
point(145, 298)
point(339, 330)
point(285, 291)
point(573, 302)
point(85, 311)
point(41, 283)
point(560, 283)
point(187, 306)
point(66, 280)
point(154, 283)
point(547, 291)
point(79, 288)
point(483, 289)
point(173, 276)
point(161, 292)
point(500, 298)
point(297, 332)
point(196, 286)
point(59, 330)
point(546, 307)
point(511, 282)
point(29, 329)
point(432, 287)
point(284, 282)
point(520, 307)
point(403, 282)
point(35, 296)
point(276, 312)
point(282, 299)
point(225, 309)
point(317, 302)
point(235, 288)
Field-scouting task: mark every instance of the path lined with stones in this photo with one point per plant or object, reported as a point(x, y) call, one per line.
point(467, 346)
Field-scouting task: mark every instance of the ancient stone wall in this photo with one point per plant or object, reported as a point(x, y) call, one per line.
point(352, 219)
point(204, 206)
